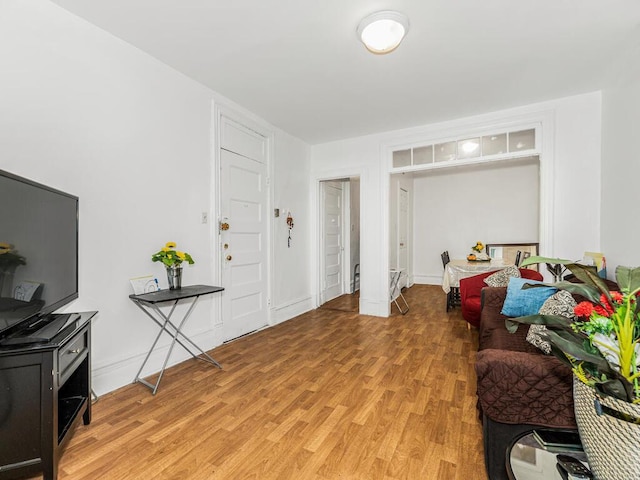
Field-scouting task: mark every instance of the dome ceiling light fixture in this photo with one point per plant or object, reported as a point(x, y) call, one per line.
point(382, 32)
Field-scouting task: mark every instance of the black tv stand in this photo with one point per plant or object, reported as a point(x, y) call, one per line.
point(42, 330)
point(46, 391)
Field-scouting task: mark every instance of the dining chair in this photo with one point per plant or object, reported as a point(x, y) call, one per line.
point(445, 258)
point(517, 260)
point(453, 297)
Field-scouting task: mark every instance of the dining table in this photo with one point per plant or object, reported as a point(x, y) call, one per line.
point(457, 269)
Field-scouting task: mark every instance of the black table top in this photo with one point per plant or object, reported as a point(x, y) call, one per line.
point(178, 294)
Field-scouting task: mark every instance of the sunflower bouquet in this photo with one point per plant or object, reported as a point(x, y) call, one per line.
point(171, 257)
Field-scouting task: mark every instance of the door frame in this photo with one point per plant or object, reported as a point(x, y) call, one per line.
point(345, 252)
point(316, 207)
point(220, 114)
point(408, 239)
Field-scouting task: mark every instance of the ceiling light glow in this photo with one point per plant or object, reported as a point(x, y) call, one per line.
point(470, 147)
point(382, 32)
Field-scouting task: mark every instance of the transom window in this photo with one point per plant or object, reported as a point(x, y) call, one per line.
point(468, 148)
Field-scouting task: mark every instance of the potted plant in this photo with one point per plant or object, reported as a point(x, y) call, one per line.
point(601, 344)
point(172, 260)
point(10, 259)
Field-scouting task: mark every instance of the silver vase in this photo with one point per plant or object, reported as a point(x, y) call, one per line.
point(174, 276)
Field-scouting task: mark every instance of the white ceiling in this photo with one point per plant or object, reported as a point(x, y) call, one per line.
point(298, 64)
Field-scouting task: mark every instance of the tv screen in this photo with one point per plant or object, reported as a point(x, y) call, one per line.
point(38, 250)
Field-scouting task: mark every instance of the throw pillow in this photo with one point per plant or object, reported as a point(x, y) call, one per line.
point(524, 301)
point(501, 277)
point(560, 303)
point(537, 336)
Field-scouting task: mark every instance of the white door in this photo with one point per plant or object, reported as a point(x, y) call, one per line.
point(243, 230)
point(403, 235)
point(332, 240)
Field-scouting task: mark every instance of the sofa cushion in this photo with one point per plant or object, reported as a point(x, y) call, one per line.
point(525, 301)
point(517, 387)
point(560, 303)
point(501, 277)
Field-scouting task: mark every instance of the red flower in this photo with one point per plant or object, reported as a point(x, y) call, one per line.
point(616, 297)
point(583, 309)
point(603, 311)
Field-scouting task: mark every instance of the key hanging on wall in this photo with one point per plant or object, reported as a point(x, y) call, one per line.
point(290, 225)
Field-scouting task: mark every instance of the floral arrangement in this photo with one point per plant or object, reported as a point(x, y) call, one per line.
point(9, 257)
point(478, 247)
point(171, 257)
point(602, 343)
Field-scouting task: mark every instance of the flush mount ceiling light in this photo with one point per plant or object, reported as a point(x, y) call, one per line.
point(382, 32)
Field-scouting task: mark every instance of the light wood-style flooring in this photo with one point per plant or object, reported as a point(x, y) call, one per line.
point(328, 395)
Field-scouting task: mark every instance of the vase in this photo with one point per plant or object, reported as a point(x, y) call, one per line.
point(174, 276)
point(610, 438)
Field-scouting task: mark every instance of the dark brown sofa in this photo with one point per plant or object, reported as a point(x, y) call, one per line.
point(519, 387)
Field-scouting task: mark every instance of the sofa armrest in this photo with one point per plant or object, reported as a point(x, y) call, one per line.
point(519, 387)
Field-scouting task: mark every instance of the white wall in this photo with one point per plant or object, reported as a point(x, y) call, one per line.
point(87, 113)
point(458, 207)
point(621, 161)
point(291, 281)
point(343, 159)
point(572, 132)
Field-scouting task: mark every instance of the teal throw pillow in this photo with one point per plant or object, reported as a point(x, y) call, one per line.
point(520, 302)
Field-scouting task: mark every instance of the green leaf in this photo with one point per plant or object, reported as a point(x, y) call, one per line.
point(511, 325)
point(590, 292)
point(628, 278)
point(616, 388)
point(536, 259)
point(537, 319)
point(589, 276)
point(572, 344)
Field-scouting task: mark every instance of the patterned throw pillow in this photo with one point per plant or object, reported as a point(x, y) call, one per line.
point(560, 303)
point(501, 277)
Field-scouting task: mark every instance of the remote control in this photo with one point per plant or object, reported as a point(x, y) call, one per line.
point(575, 468)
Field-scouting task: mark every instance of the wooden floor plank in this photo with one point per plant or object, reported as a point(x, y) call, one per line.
point(328, 395)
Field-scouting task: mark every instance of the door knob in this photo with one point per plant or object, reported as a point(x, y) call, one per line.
point(225, 246)
point(229, 257)
point(224, 226)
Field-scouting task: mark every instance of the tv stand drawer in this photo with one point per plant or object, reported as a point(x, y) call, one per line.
point(70, 354)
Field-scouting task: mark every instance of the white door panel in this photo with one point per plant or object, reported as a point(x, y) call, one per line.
point(403, 234)
point(243, 205)
point(332, 240)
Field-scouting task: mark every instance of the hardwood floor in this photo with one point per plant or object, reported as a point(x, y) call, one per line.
point(327, 395)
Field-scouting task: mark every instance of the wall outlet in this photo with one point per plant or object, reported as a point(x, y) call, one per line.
point(204, 218)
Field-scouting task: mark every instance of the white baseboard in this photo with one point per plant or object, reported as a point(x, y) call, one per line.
point(423, 279)
point(374, 307)
point(282, 313)
point(108, 377)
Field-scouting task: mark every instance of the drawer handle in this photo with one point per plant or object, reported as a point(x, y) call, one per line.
point(75, 350)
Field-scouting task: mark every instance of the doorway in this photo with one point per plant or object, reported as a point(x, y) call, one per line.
point(339, 244)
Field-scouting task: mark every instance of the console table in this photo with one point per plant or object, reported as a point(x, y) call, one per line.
point(149, 304)
point(45, 391)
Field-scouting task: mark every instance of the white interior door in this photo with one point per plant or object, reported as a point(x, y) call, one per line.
point(403, 235)
point(332, 247)
point(243, 230)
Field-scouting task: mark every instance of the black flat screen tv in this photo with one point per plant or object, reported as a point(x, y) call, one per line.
point(38, 251)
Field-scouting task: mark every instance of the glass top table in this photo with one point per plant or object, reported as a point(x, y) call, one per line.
point(527, 460)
